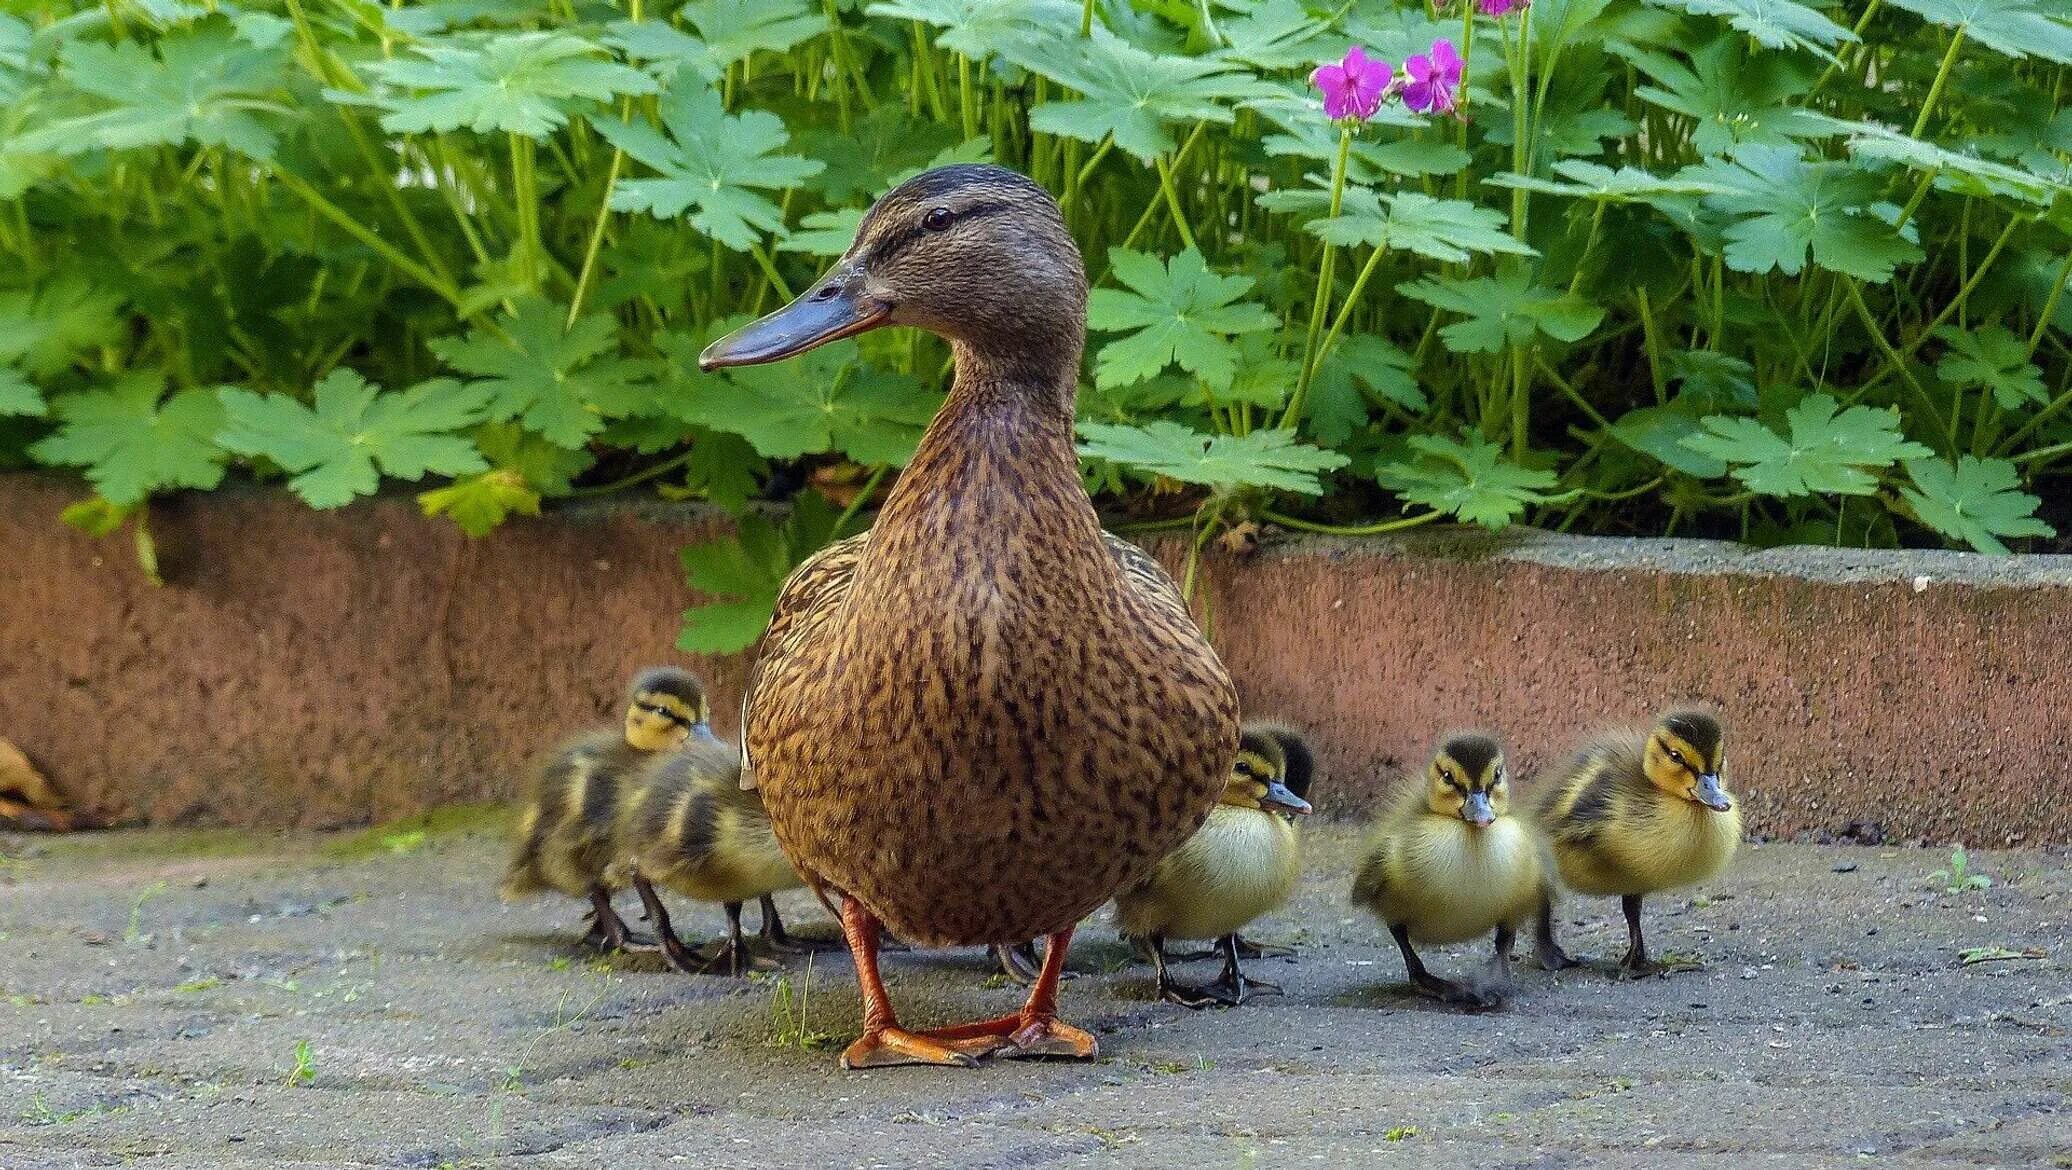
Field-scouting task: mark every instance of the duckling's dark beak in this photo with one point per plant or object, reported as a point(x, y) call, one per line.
point(702, 732)
point(1279, 796)
point(1477, 810)
point(837, 307)
point(1711, 795)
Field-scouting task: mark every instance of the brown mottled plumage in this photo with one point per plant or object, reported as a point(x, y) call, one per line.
point(986, 716)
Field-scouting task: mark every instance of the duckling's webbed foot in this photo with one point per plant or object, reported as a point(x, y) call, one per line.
point(732, 955)
point(1018, 962)
point(1221, 993)
point(1231, 987)
point(1443, 990)
point(1247, 949)
point(1635, 964)
point(609, 932)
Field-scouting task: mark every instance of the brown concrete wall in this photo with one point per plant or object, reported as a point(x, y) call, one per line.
point(305, 668)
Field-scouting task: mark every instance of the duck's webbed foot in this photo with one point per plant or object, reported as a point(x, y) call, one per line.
point(1033, 1032)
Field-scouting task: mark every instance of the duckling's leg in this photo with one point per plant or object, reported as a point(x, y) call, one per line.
point(1018, 962)
point(1500, 963)
point(1444, 990)
point(674, 952)
point(774, 937)
point(732, 956)
point(883, 1041)
point(1551, 956)
point(1036, 1029)
point(1636, 964)
point(1175, 992)
point(1231, 986)
point(608, 931)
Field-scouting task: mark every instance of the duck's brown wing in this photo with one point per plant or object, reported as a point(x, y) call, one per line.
point(808, 603)
point(1148, 578)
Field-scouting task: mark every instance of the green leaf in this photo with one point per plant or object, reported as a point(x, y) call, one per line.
point(1992, 358)
point(525, 83)
point(712, 164)
point(1446, 230)
point(48, 330)
point(1467, 478)
point(1269, 458)
point(1660, 431)
point(1275, 34)
point(1595, 181)
point(1955, 170)
point(1504, 310)
point(548, 468)
point(333, 449)
point(97, 517)
point(132, 444)
point(742, 574)
point(1176, 312)
point(1774, 24)
point(978, 29)
point(481, 502)
point(727, 31)
point(18, 396)
point(824, 401)
point(2015, 28)
point(824, 233)
point(1133, 95)
point(1978, 501)
point(1337, 407)
point(559, 383)
point(1784, 207)
point(1733, 95)
point(204, 86)
point(1828, 449)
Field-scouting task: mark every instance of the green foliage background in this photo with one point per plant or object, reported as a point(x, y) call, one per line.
point(1771, 270)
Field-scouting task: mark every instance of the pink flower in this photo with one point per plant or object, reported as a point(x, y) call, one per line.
point(1353, 88)
point(1434, 85)
point(1500, 8)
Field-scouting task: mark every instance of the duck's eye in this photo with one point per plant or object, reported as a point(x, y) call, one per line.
point(937, 219)
point(825, 292)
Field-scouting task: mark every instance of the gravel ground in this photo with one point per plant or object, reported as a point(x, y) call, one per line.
point(210, 1000)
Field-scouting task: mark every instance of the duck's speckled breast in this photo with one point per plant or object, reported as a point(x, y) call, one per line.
point(999, 726)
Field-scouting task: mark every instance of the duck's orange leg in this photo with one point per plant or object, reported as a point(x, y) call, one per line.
point(1035, 1030)
point(883, 1041)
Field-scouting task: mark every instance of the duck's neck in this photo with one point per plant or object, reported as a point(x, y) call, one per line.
point(997, 460)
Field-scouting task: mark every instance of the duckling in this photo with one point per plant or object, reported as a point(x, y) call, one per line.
point(564, 838)
point(1635, 815)
point(1448, 863)
point(1244, 861)
point(688, 825)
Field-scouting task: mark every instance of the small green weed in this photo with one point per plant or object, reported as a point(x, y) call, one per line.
point(789, 1026)
point(305, 1071)
point(194, 986)
point(1397, 1133)
point(133, 933)
point(1960, 878)
point(401, 843)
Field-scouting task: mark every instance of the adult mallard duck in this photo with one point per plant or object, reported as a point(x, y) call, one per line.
point(977, 721)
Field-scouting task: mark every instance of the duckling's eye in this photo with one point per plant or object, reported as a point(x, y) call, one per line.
point(937, 218)
point(1244, 768)
point(1677, 758)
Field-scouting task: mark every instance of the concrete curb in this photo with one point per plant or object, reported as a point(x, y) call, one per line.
point(306, 668)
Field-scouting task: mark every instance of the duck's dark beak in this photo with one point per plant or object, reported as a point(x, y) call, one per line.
point(835, 308)
point(1711, 795)
point(1279, 796)
point(1477, 810)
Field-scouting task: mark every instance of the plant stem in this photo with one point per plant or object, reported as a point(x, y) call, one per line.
point(1942, 74)
point(1862, 22)
point(642, 476)
point(525, 201)
point(967, 103)
point(365, 235)
point(1870, 323)
point(1320, 304)
point(870, 488)
point(1376, 529)
point(1345, 311)
point(604, 212)
point(1172, 194)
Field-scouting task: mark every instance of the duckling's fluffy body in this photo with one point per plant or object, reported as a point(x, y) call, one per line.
point(1240, 864)
point(565, 831)
point(689, 827)
point(1614, 832)
point(1445, 879)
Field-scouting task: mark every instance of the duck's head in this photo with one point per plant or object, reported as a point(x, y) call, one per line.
point(1258, 776)
point(665, 705)
point(1686, 756)
point(1466, 779)
point(977, 254)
